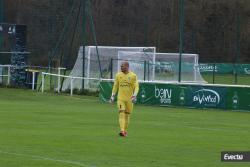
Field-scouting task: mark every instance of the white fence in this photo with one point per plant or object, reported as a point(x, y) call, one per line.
point(72, 78)
point(5, 72)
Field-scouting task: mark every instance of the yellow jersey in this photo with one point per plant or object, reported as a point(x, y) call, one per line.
point(126, 84)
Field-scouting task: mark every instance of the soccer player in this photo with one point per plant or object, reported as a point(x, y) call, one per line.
point(127, 86)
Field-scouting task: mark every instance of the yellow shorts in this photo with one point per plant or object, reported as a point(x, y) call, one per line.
point(126, 106)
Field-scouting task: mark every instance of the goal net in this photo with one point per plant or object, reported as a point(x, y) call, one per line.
point(140, 63)
point(167, 67)
point(163, 66)
point(108, 56)
point(5, 74)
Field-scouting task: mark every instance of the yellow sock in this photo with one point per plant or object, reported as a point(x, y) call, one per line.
point(122, 121)
point(127, 117)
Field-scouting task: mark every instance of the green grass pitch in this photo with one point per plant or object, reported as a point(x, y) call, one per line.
point(48, 130)
point(227, 79)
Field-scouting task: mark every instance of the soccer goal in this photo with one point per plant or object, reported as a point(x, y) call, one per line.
point(140, 63)
point(160, 67)
point(5, 74)
point(108, 56)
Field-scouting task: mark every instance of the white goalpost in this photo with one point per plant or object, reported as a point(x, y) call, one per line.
point(108, 56)
point(163, 66)
point(144, 61)
point(5, 73)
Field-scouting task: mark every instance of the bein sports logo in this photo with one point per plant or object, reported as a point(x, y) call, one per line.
point(164, 95)
point(206, 96)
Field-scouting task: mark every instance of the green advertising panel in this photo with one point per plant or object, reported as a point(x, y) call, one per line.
point(158, 94)
point(1, 73)
point(243, 69)
point(206, 97)
point(222, 97)
point(105, 91)
point(151, 94)
point(217, 68)
point(223, 68)
point(238, 98)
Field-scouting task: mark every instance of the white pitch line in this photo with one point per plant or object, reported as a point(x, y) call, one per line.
point(46, 158)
